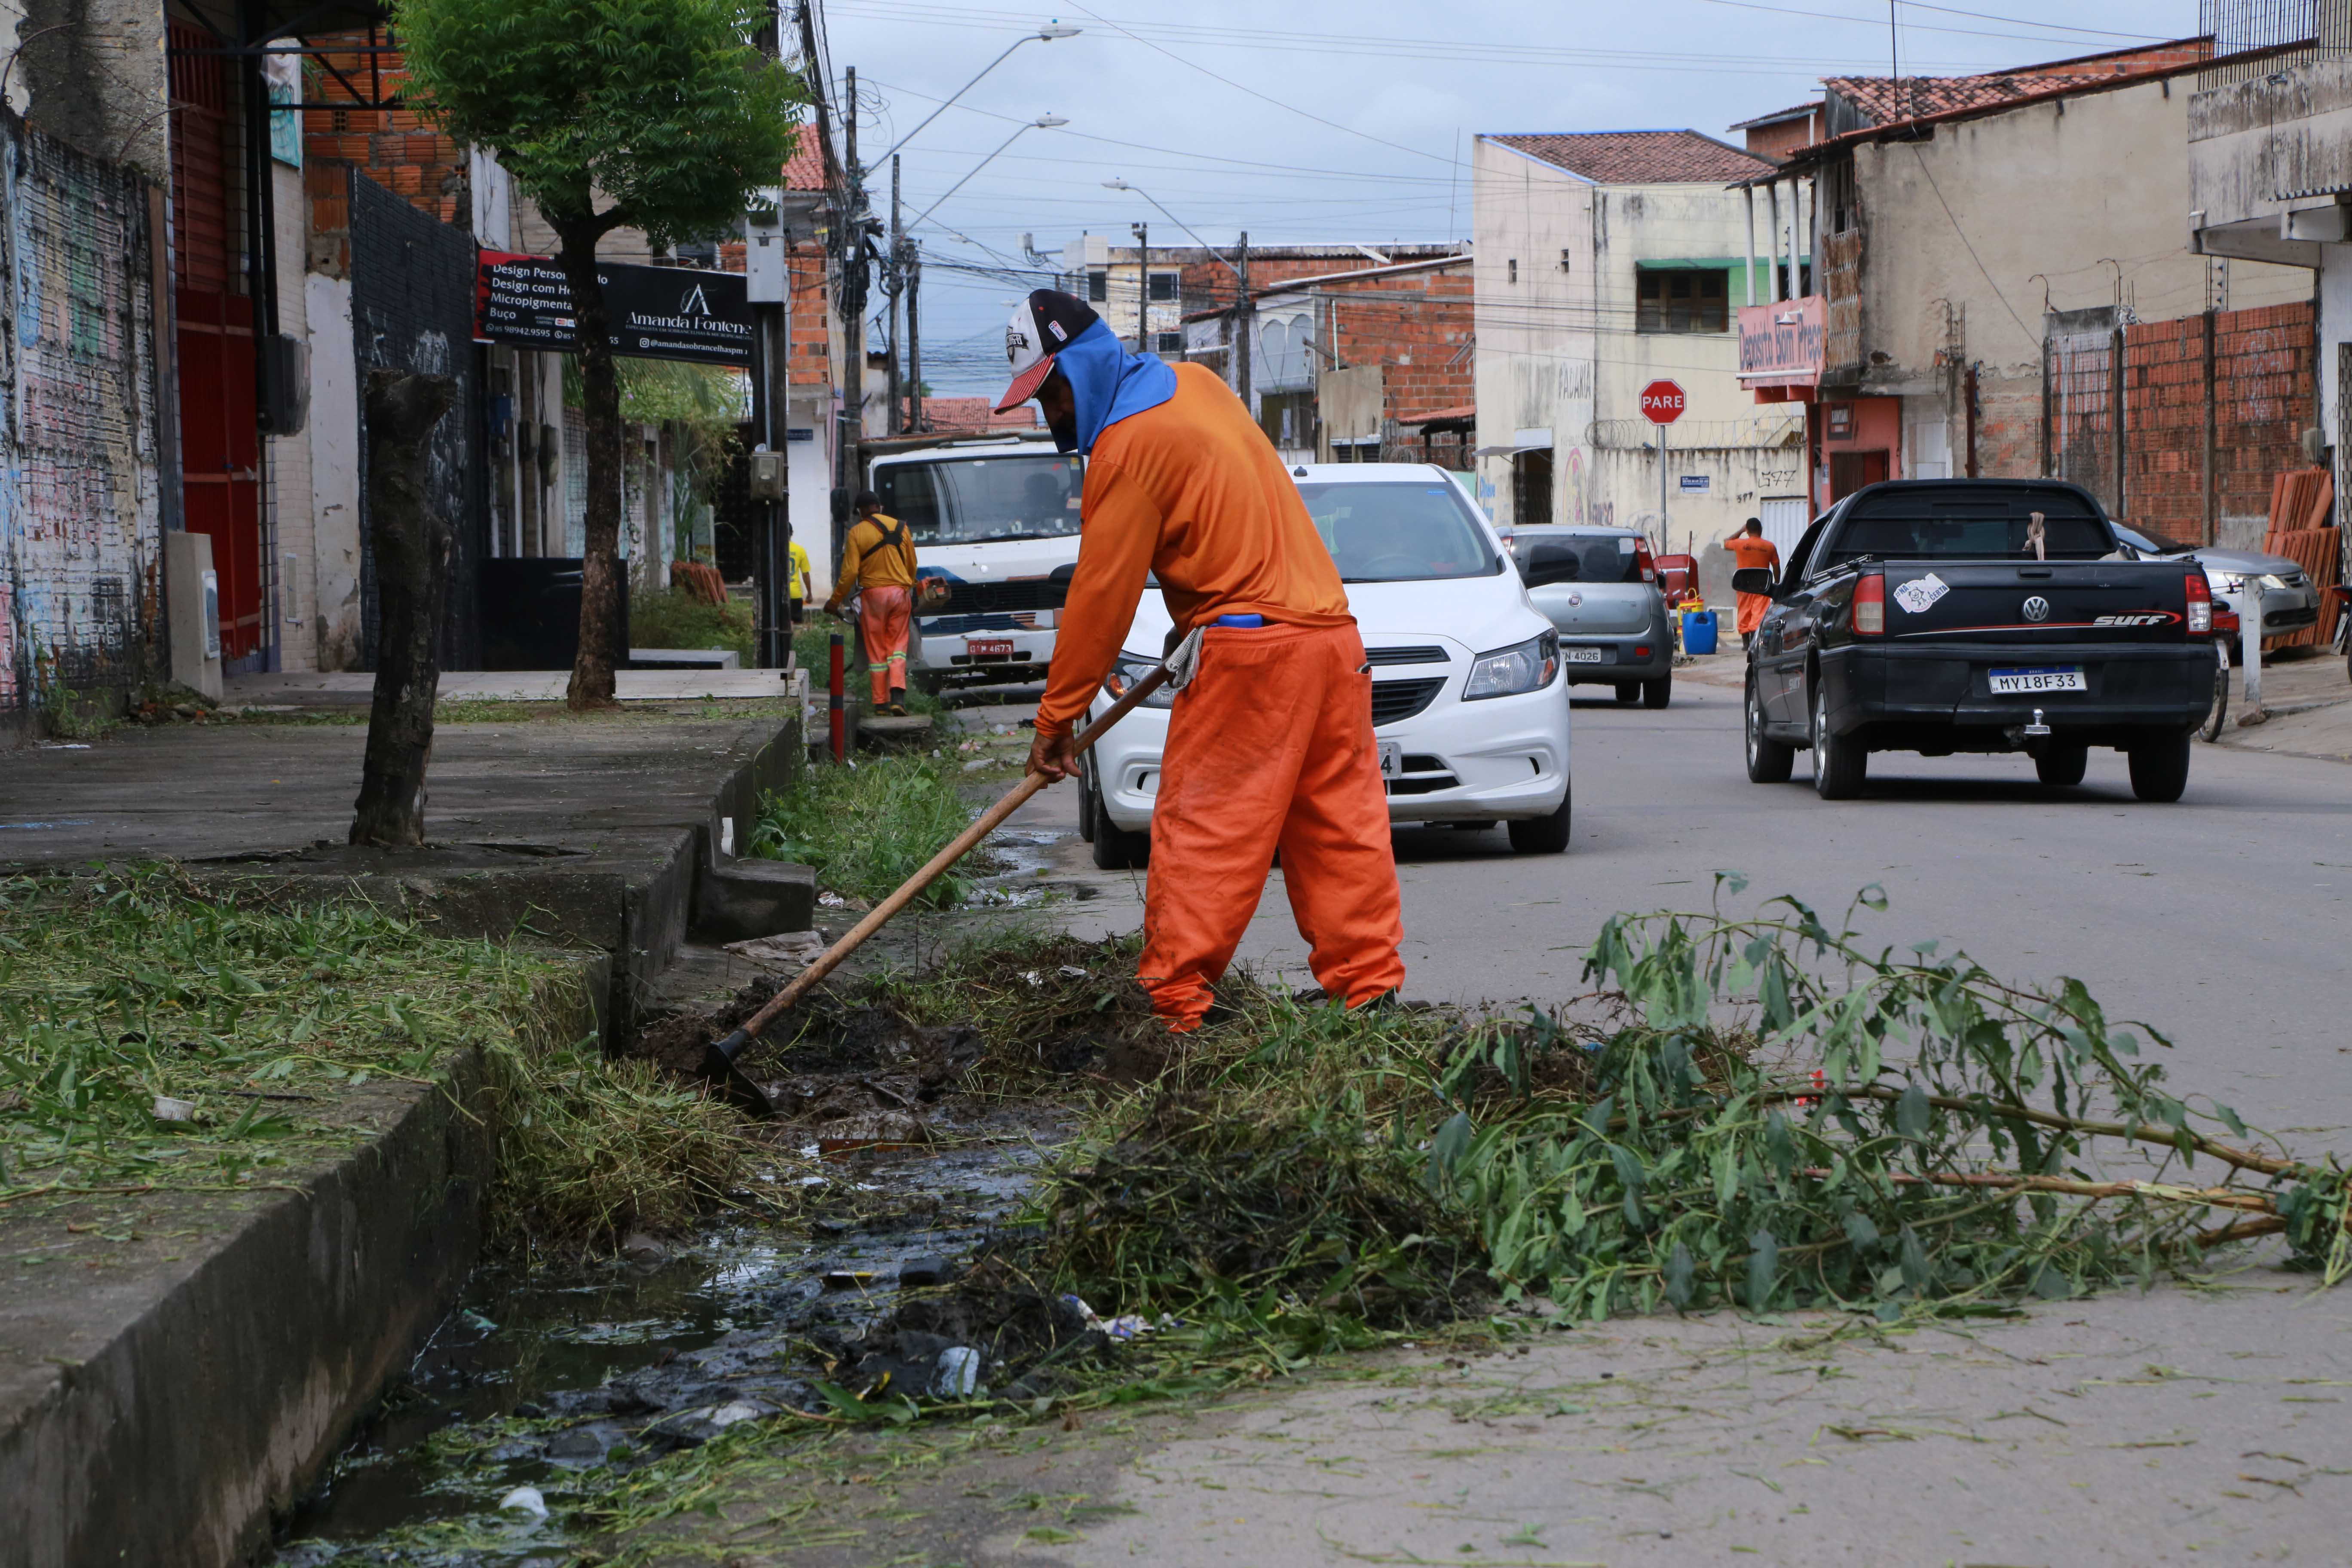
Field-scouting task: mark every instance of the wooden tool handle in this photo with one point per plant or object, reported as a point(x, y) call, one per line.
point(957, 849)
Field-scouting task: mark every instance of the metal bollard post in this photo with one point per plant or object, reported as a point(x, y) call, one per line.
point(838, 718)
point(2250, 646)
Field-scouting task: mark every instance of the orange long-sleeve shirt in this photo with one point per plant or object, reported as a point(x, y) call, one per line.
point(1193, 493)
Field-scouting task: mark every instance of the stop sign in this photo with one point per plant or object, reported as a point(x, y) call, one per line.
point(1662, 401)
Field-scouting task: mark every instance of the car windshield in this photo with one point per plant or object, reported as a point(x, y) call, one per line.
point(1399, 532)
point(1930, 525)
point(2151, 543)
point(1598, 557)
point(978, 501)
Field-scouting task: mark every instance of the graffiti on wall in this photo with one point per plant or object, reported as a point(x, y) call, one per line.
point(80, 481)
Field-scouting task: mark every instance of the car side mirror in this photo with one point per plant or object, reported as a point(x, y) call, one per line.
point(1552, 562)
point(1753, 580)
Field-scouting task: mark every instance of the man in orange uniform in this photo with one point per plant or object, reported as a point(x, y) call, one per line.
point(877, 561)
point(1270, 744)
point(1749, 547)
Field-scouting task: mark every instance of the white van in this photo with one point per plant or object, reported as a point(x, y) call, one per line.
point(1469, 709)
point(997, 518)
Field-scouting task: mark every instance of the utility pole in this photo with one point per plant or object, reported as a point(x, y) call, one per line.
point(1142, 287)
point(914, 338)
point(1245, 320)
point(893, 284)
point(850, 241)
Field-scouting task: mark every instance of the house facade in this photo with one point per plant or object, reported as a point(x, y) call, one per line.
point(1605, 262)
point(1996, 282)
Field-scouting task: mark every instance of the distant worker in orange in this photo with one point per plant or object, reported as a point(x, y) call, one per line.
point(1270, 743)
point(878, 563)
point(1748, 548)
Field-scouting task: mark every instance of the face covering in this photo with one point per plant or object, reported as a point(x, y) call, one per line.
point(1107, 384)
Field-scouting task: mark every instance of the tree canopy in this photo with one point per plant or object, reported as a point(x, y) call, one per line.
point(660, 109)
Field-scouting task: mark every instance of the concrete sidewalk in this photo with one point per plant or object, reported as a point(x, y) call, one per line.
point(357, 688)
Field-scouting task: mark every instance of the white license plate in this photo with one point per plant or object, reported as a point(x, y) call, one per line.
point(989, 647)
point(2024, 682)
point(1581, 655)
point(1392, 758)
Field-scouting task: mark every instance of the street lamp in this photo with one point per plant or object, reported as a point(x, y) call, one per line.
point(1118, 184)
point(1241, 328)
point(1042, 123)
point(1046, 35)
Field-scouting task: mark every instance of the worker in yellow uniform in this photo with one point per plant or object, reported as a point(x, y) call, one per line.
point(878, 564)
point(796, 588)
point(1270, 741)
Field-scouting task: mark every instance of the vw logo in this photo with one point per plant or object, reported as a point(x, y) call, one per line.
point(2037, 608)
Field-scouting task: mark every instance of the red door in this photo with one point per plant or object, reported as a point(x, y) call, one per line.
point(1849, 472)
point(220, 436)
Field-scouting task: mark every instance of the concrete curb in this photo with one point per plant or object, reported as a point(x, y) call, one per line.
point(180, 1403)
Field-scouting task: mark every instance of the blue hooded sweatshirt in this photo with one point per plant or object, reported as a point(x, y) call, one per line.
point(1108, 385)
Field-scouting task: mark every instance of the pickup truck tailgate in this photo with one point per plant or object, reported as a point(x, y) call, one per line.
point(2094, 602)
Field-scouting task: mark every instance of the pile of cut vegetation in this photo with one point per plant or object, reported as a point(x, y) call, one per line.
point(1751, 1112)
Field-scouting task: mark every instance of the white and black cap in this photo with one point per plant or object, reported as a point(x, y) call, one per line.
point(1043, 325)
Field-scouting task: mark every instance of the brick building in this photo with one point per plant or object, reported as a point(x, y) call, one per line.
point(1963, 309)
point(1391, 323)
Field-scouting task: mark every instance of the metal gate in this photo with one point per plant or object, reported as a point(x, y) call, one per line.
point(2083, 401)
point(1784, 519)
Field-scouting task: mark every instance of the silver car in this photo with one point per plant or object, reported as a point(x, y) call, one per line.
point(2290, 599)
point(1600, 588)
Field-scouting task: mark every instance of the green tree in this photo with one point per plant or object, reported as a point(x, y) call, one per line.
point(658, 115)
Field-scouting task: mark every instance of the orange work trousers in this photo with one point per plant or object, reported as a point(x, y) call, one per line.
point(1271, 746)
point(883, 614)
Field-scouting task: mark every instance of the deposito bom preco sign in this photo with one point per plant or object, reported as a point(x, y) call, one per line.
point(654, 313)
point(1662, 401)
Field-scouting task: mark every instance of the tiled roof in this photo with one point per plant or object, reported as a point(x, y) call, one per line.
point(804, 170)
point(1640, 157)
point(947, 415)
point(1884, 100)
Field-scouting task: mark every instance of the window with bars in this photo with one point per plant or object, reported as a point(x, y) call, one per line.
point(1171, 343)
point(1681, 300)
point(1163, 286)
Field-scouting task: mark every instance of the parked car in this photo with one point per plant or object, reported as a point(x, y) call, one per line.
point(1921, 616)
point(1599, 586)
point(1468, 708)
point(2290, 600)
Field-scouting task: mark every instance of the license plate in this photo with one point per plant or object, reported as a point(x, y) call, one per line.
point(1392, 758)
point(2024, 682)
point(989, 647)
point(1582, 654)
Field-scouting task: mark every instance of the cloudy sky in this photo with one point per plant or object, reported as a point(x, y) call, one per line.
point(1337, 121)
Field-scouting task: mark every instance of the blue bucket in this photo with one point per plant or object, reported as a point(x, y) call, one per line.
point(1698, 631)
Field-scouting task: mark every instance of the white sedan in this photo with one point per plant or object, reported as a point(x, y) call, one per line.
point(1468, 707)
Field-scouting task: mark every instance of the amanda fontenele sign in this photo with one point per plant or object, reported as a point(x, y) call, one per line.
point(654, 313)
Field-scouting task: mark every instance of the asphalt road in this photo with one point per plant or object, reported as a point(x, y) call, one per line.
point(2203, 1425)
point(2225, 921)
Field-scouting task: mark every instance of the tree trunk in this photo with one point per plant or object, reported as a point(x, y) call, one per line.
point(592, 667)
point(412, 543)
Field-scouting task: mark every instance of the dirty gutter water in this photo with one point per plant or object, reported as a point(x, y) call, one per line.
point(544, 1383)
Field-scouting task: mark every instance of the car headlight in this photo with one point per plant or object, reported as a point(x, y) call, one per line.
point(2273, 580)
point(1506, 672)
point(1129, 669)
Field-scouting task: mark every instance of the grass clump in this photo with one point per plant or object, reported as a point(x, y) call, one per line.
point(868, 826)
point(126, 991)
point(671, 617)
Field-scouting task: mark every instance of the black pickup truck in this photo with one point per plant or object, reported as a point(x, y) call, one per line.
point(1937, 616)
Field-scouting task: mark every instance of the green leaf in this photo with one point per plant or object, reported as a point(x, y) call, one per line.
point(1912, 1114)
point(1763, 1269)
point(1679, 1269)
point(1912, 1258)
